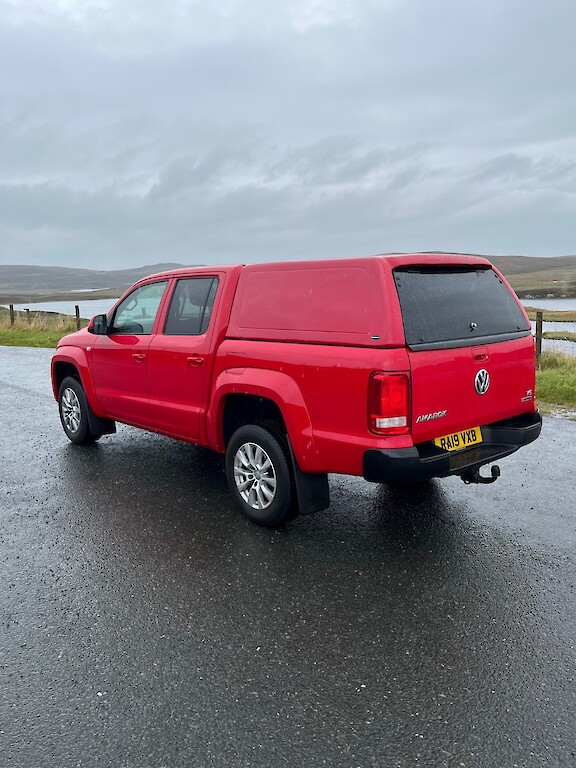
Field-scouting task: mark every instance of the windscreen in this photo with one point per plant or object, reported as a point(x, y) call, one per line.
point(454, 307)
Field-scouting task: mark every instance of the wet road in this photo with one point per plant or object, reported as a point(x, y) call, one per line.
point(146, 624)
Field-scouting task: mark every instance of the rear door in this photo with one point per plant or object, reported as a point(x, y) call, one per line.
point(470, 347)
point(180, 357)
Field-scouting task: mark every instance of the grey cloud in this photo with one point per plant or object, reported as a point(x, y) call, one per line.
point(522, 170)
point(326, 128)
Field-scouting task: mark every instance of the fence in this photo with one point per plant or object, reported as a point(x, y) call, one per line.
point(538, 336)
point(29, 316)
point(77, 313)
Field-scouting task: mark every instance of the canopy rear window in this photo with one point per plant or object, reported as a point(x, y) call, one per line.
point(452, 307)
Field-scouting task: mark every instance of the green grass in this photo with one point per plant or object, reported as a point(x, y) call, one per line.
point(552, 316)
point(559, 336)
point(545, 283)
point(19, 338)
point(38, 330)
point(556, 380)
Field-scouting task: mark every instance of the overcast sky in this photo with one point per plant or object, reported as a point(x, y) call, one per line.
point(201, 131)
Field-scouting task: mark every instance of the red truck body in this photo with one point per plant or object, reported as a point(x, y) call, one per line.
point(353, 366)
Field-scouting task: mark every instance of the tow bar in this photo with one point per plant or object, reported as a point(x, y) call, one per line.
point(474, 476)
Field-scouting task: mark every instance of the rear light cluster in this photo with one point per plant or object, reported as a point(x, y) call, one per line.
point(389, 403)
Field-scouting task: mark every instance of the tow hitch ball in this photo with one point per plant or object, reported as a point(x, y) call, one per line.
point(474, 476)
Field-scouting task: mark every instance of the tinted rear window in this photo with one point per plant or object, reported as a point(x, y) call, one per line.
point(454, 307)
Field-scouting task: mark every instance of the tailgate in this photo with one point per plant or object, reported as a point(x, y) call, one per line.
point(470, 347)
point(458, 389)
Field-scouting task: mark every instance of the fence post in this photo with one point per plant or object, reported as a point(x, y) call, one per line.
point(538, 336)
point(11, 314)
point(28, 318)
point(77, 311)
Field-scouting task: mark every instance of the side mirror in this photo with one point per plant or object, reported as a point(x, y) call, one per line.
point(98, 325)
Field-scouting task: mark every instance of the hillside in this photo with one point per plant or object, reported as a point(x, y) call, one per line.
point(517, 265)
point(33, 279)
point(531, 277)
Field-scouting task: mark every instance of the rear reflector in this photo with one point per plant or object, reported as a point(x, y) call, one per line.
point(389, 403)
point(399, 421)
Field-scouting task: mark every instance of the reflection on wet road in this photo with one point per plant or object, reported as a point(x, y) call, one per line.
point(145, 623)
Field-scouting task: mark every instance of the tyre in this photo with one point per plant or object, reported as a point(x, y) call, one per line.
point(73, 408)
point(258, 475)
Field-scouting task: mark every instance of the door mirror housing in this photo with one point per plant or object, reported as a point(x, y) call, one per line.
point(98, 325)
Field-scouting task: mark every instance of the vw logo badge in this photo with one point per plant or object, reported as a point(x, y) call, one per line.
point(482, 382)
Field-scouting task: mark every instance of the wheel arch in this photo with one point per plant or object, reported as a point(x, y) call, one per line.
point(60, 370)
point(71, 361)
point(244, 396)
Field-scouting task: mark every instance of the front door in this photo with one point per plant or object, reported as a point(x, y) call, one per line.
point(120, 359)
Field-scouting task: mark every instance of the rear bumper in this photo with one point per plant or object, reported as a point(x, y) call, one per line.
point(421, 462)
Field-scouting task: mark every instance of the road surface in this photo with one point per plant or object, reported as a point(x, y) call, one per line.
point(146, 624)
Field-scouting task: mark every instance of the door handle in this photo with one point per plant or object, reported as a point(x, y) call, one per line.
point(481, 356)
point(139, 356)
point(194, 360)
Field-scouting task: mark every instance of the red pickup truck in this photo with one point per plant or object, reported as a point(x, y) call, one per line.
point(395, 368)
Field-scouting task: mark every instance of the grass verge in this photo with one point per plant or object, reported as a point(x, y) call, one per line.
point(552, 316)
point(556, 382)
point(566, 336)
point(555, 379)
point(39, 329)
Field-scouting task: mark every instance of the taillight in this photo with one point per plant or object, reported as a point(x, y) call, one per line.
point(389, 403)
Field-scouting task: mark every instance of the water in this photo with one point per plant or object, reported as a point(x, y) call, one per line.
point(88, 307)
point(559, 305)
point(566, 347)
point(555, 325)
point(91, 307)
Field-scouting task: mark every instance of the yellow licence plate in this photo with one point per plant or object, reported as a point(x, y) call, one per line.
point(458, 440)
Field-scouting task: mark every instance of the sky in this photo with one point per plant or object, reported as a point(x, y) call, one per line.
point(136, 132)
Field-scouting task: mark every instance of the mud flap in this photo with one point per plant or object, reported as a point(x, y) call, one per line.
point(312, 491)
point(100, 426)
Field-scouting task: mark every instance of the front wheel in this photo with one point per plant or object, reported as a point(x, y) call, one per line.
point(258, 475)
point(73, 408)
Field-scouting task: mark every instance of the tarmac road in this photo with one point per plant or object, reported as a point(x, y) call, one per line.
point(146, 624)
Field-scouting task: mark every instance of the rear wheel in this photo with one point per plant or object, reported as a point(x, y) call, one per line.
point(258, 475)
point(73, 408)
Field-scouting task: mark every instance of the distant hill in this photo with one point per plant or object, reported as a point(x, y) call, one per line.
point(19, 278)
point(518, 265)
point(536, 277)
point(531, 277)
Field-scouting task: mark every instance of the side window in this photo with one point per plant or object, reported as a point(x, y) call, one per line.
point(136, 314)
point(191, 306)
